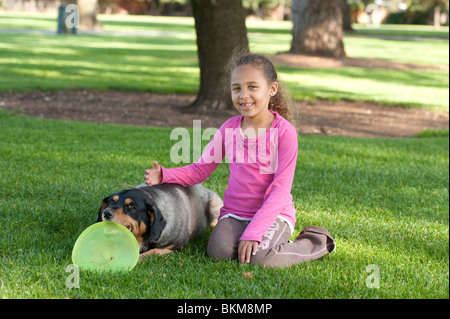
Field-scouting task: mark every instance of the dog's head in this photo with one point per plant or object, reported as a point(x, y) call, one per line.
point(135, 210)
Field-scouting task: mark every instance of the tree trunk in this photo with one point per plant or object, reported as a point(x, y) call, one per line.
point(88, 15)
point(317, 28)
point(346, 16)
point(437, 17)
point(220, 27)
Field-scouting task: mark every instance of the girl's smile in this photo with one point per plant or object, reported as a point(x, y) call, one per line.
point(246, 106)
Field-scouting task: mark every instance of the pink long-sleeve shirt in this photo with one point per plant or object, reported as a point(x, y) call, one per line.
point(261, 173)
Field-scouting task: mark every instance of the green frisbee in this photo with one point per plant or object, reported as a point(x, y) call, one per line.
point(106, 246)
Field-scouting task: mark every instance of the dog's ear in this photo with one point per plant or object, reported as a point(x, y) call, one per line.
point(159, 222)
point(102, 207)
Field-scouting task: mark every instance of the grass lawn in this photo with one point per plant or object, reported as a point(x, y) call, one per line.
point(384, 201)
point(159, 54)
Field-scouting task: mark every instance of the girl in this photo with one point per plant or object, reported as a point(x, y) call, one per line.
point(258, 216)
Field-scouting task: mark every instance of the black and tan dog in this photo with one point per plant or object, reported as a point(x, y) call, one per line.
point(162, 217)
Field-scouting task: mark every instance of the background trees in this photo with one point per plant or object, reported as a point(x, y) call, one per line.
point(318, 29)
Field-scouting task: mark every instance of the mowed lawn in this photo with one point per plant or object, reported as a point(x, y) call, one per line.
point(385, 201)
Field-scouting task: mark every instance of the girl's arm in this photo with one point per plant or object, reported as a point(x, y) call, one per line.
point(194, 173)
point(278, 194)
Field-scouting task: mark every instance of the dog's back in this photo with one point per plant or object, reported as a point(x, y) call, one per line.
point(187, 211)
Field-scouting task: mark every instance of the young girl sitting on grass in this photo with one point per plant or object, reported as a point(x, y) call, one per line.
point(258, 216)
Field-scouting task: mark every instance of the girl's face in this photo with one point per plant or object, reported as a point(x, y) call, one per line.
point(251, 92)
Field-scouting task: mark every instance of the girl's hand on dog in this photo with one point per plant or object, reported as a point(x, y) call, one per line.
point(153, 176)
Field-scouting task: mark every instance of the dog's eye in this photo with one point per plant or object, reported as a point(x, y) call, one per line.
point(131, 206)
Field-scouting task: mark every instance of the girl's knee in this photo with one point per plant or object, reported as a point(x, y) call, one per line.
point(221, 249)
point(224, 240)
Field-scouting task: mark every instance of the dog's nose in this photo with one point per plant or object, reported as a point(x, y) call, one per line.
point(108, 213)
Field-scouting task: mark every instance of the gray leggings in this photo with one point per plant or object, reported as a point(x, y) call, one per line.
point(275, 250)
